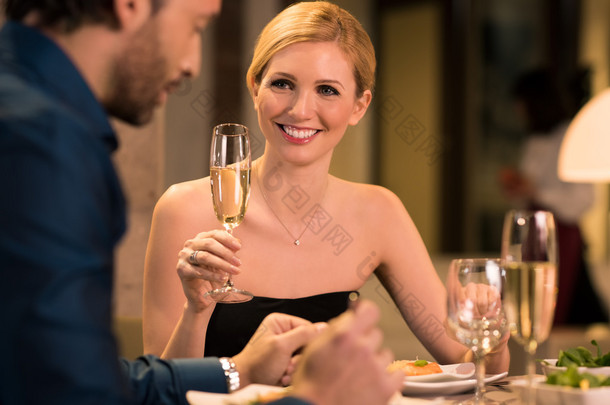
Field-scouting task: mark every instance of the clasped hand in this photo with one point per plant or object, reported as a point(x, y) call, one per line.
point(345, 364)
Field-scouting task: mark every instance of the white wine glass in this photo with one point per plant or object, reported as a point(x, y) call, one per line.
point(529, 250)
point(230, 165)
point(474, 311)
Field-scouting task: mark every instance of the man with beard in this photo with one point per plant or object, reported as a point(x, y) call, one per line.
point(64, 66)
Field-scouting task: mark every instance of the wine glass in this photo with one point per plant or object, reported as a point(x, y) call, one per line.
point(474, 311)
point(230, 165)
point(529, 250)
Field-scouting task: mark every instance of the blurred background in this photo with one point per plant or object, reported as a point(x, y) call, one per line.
point(442, 124)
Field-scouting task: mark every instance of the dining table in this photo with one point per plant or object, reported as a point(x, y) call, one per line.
point(502, 391)
point(509, 390)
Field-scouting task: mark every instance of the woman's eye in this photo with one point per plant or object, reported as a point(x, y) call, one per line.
point(328, 91)
point(281, 84)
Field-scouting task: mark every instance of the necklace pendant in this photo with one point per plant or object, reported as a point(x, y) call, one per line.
point(297, 242)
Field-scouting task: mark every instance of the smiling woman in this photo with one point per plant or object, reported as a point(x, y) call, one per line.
point(315, 101)
point(305, 234)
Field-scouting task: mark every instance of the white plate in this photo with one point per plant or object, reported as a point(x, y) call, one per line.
point(251, 392)
point(451, 372)
point(547, 394)
point(551, 367)
point(445, 387)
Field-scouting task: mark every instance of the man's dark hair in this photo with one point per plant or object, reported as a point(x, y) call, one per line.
point(67, 15)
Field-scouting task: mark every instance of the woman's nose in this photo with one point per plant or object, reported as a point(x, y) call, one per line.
point(303, 105)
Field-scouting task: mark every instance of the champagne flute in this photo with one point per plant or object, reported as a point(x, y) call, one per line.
point(529, 249)
point(230, 165)
point(474, 311)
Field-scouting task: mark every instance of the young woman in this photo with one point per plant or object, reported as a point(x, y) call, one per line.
point(305, 234)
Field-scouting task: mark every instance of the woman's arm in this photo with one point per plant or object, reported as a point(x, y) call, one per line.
point(408, 274)
point(163, 298)
point(175, 315)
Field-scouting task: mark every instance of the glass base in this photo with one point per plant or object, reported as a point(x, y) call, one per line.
point(229, 295)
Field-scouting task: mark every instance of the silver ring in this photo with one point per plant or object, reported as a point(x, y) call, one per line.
point(193, 258)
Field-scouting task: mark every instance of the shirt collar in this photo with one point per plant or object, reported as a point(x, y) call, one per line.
point(48, 65)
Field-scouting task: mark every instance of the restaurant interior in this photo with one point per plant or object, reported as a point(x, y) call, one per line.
point(441, 127)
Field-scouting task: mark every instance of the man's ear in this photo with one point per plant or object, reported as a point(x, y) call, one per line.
point(131, 14)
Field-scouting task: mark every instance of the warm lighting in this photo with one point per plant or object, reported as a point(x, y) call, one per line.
point(585, 151)
point(585, 157)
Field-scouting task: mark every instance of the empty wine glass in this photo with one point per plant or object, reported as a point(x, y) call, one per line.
point(529, 250)
point(230, 165)
point(474, 311)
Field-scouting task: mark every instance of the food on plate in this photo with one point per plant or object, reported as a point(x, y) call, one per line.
point(572, 378)
point(582, 357)
point(415, 367)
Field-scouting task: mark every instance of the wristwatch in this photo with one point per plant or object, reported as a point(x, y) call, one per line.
point(231, 373)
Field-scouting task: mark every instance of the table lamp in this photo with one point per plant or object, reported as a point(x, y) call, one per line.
point(584, 156)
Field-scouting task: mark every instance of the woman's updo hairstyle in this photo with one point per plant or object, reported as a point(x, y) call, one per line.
point(316, 21)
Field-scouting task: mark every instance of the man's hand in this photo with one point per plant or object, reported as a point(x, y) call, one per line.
point(268, 356)
point(346, 364)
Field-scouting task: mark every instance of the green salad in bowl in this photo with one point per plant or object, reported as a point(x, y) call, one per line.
point(580, 359)
point(571, 377)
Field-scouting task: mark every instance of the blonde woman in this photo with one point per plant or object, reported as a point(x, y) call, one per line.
point(306, 232)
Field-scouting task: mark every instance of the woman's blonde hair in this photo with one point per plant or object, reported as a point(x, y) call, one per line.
point(316, 21)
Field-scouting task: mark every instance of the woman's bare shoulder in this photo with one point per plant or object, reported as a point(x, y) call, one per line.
point(187, 188)
point(369, 196)
point(185, 197)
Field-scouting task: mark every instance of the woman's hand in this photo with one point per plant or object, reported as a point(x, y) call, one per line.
point(204, 263)
point(483, 300)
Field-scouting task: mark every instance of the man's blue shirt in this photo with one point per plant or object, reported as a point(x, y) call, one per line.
point(62, 213)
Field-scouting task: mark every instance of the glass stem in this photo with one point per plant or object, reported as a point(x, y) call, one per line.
point(531, 372)
point(480, 377)
point(229, 282)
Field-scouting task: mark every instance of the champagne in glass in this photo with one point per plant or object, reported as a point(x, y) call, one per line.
point(474, 311)
point(530, 301)
point(529, 249)
point(230, 165)
point(230, 191)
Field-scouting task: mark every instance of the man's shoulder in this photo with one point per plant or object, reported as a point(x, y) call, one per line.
point(26, 106)
point(21, 97)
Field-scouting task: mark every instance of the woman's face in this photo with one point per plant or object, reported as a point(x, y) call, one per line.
point(306, 100)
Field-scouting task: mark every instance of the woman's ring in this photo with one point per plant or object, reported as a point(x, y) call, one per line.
point(193, 258)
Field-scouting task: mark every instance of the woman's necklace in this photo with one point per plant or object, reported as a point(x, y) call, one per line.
point(297, 240)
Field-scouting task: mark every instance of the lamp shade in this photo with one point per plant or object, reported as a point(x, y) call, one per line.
point(584, 155)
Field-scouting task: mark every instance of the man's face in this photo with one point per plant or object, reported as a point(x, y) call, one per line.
point(165, 50)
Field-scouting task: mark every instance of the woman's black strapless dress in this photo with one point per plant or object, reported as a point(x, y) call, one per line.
point(232, 325)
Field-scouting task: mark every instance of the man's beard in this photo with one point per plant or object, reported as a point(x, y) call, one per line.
point(138, 78)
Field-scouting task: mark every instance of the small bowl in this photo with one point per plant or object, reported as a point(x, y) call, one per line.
point(557, 395)
point(548, 367)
